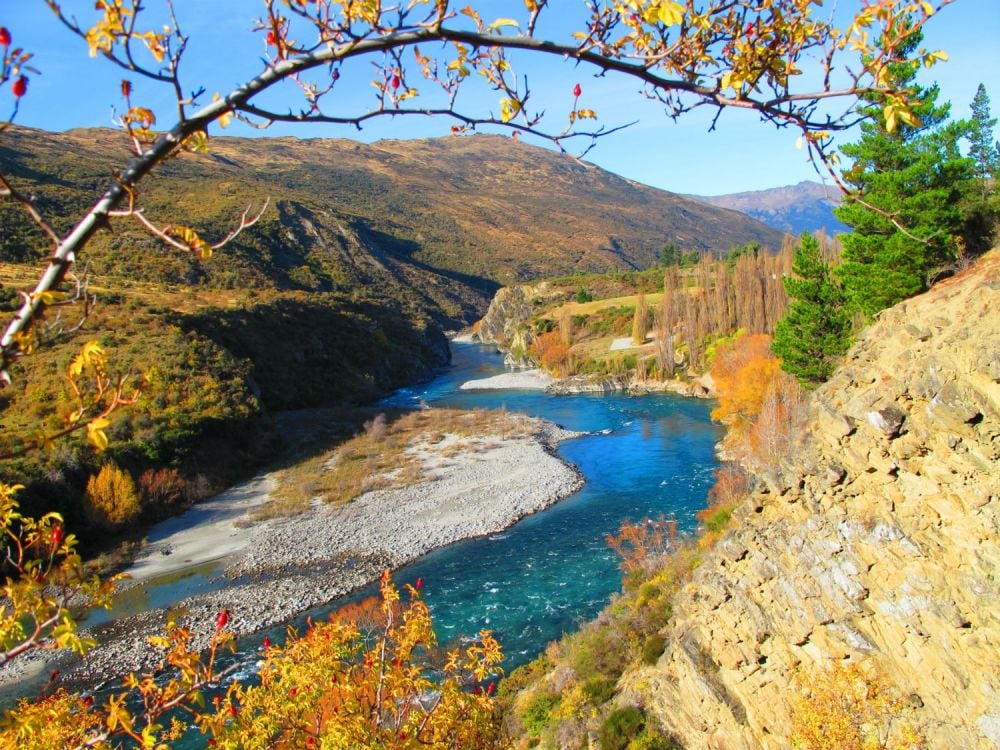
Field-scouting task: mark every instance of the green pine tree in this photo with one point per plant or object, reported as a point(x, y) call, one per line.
point(916, 177)
point(816, 329)
point(981, 206)
point(983, 148)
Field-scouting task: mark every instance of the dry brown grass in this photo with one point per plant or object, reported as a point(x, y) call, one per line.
point(589, 308)
point(387, 454)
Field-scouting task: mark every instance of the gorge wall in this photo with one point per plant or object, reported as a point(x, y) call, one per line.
point(878, 545)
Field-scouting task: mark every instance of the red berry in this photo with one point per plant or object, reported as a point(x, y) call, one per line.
point(267, 643)
point(750, 29)
point(221, 619)
point(490, 688)
point(20, 87)
point(211, 743)
point(271, 39)
point(233, 710)
point(577, 90)
point(56, 535)
point(4, 37)
point(420, 583)
point(395, 82)
point(293, 691)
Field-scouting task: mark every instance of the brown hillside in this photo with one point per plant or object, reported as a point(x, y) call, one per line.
point(482, 206)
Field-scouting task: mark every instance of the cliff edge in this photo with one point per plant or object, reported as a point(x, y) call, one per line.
point(878, 545)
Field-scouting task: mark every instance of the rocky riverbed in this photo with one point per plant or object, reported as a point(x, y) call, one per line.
point(278, 568)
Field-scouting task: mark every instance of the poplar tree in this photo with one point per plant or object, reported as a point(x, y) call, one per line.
point(910, 173)
point(816, 328)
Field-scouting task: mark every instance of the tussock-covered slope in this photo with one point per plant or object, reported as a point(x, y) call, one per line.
point(474, 211)
point(878, 545)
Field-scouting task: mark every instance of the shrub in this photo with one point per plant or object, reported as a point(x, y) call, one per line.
point(716, 517)
point(621, 727)
point(598, 690)
point(112, 500)
point(162, 488)
point(597, 651)
point(538, 711)
point(652, 649)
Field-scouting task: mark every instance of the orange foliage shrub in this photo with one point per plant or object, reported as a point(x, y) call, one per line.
point(163, 487)
point(643, 545)
point(551, 352)
point(336, 686)
point(758, 401)
point(743, 371)
point(846, 708)
point(112, 500)
point(339, 687)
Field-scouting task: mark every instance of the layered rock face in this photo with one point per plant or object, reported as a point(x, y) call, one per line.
point(878, 544)
point(507, 323)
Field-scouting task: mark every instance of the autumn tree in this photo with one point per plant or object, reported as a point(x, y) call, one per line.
point(816, 329)
point(666, 319)
point(640, 320)
point(757, 401)
point(112, 500)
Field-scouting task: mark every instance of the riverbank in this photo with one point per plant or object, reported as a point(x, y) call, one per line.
point(281, 567)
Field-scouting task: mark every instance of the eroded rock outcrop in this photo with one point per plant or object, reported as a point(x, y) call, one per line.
point(507, 323)
point(879, 544)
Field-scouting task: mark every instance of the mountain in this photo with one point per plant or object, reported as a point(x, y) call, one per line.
point(448, 216)
point(805, 207)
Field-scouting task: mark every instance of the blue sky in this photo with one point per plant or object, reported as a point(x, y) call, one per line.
point(742, 154)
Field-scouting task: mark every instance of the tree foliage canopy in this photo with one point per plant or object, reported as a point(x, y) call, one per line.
point(816, 328)
point(910, 180)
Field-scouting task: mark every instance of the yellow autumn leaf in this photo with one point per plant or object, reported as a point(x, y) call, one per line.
point(508, 109)
point(96, 435)
point(730, 79)
point(48, 297)
point(670, 13)
point(501, 22)
point(226, 117)
point(889, 112)
point(196, 143)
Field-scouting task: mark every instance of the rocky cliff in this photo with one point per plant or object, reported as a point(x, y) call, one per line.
point(878, 546)
point(507, 323)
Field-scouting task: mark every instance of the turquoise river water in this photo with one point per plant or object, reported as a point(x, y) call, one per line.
point(641, 456)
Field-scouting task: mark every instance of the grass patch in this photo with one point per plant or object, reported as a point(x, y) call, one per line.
point(393, 452)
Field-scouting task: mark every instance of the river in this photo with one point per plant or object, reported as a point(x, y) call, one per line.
point(642, 456)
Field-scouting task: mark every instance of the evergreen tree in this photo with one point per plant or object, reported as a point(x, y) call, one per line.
point(915, 176)
point(984, 150)
point(816, 328)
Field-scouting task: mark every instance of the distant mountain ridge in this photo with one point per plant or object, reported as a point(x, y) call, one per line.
point(484, 210)
point(805, 207)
